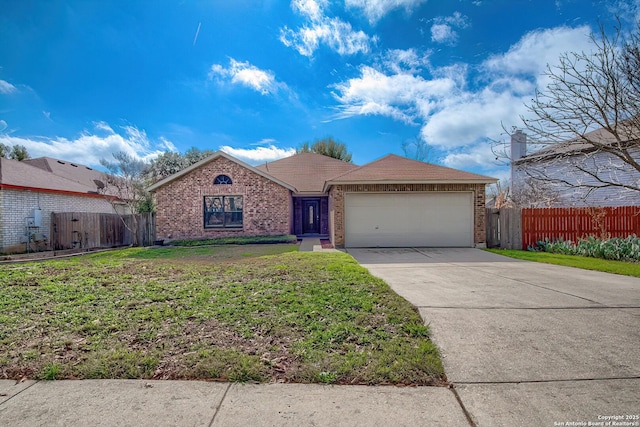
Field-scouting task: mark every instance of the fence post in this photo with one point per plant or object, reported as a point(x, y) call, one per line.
point(492, 216)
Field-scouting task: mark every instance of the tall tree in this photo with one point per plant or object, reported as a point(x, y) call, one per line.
point(327, 147)
point(15, 152)
point(587, 91)
point(194, 155)
point(170, 162)
point(126, 182)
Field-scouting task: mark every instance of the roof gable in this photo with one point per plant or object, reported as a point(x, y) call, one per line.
point(395, 169)
point(307, 172)
point(211, 158)
point(580, 145)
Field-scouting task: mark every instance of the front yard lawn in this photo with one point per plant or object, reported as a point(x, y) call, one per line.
point(236, 313)
point(597, 264)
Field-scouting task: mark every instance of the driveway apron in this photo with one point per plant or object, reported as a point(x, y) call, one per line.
point(524, 343)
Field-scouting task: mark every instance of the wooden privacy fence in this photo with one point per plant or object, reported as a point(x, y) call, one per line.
point(81, 230)
point(576, 223)
point(512, 228)
point(504, 228)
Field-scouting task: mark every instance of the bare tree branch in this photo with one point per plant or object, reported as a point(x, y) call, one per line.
point(125, 182)
point(589, 117)
point(417, 148)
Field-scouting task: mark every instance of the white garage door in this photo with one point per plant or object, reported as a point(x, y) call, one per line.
point(435, 219)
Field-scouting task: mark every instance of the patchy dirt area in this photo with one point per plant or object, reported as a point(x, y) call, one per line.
point(246, 313)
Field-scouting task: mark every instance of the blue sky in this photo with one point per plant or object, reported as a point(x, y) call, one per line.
point(82, 79)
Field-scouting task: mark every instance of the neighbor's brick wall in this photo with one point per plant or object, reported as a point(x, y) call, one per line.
point(16, 206)
point(179, 204)
point(336, 204)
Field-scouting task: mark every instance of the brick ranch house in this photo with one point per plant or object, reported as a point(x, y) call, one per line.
point(31, 190)
point(390, 202)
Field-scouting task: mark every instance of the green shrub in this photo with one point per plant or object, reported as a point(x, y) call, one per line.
point(616, 248)
point(235, 241)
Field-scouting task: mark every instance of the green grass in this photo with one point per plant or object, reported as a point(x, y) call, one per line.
point(597, 264)
point(246, 313)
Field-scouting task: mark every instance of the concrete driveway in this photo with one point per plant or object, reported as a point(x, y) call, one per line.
point(524, 343)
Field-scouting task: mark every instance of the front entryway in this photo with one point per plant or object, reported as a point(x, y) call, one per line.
point(311, 216)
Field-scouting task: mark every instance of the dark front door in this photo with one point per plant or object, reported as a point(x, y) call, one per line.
point(311, 216)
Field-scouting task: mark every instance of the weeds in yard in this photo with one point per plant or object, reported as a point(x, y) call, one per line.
point(210, 313)
point(51, 371)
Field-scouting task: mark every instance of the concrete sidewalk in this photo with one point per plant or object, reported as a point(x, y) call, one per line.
point(524, 343)
point(313, 244)
point(194, 403)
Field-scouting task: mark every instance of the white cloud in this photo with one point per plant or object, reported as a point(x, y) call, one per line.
point(7, 88)
point(375, 93)
point(104, 126)
point(457, 19)
point(265, 141)
point(167, 145)
point(258, 155)
point(399, 60)
point(626, 10)
point(536, 49)
point(310, 8)
point(473, 157)
point(459, 112)
point(245, 74)
point(469, 158)
point(374, 10)
point(443, 33)
point(3, 125)
point(442, 30)
point(320, 29)
point(470, 117)
point(89, 148)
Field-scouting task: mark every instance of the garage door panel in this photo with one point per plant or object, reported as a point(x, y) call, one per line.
point(435, 219)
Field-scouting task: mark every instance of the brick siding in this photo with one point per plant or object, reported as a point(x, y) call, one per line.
point(336, 204)
point(17, 205)
point(179, 204)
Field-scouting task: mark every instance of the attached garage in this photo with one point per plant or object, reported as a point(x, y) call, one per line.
point(418, 219)
point(399, 202)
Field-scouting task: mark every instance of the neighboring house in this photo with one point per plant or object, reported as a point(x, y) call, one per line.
point(32, 189)
point(570, 174)
point(391, 202)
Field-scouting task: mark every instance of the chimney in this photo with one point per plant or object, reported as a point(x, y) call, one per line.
point(518, 145)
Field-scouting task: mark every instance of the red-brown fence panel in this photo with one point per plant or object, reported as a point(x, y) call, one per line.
point(576, 223)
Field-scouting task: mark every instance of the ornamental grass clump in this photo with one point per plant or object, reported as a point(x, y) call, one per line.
point(616, 248)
